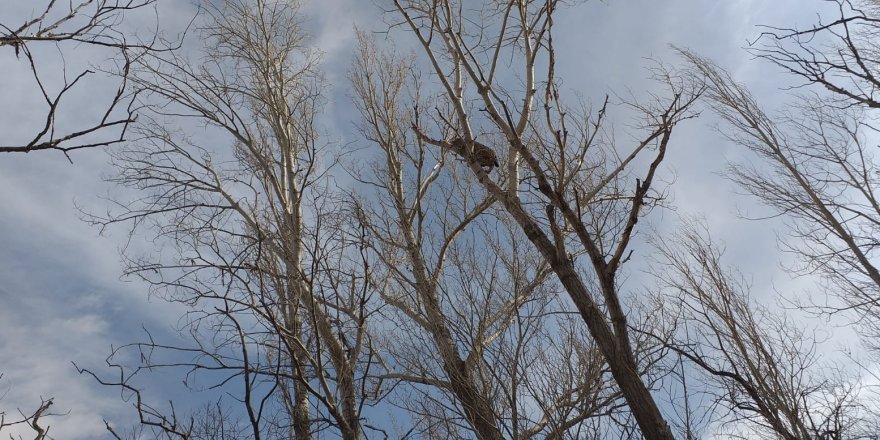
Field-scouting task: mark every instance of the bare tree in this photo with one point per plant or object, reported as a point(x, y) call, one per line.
point(489, 351)
point(33, 419)
point(273, 273)
point(566, 187)
point(816, 168)
point(762, 368)
point(492, 197)
point(822, 178)
point(95, 23)
point(838, 55)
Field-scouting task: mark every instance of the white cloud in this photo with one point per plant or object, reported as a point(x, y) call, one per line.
point(60, 297)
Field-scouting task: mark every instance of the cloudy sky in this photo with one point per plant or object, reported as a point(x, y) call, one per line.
point(62, 298)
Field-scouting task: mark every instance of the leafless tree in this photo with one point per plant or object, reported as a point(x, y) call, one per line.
point(473, 301)
point(33, 419)
point(816, 167)
point(444, 283)
point(489, 351)
point(762, 369)
point(272, 271)
point(93, 23)
point(817, 172)
point(821, 176)
point(568, 185)
point(838, 55)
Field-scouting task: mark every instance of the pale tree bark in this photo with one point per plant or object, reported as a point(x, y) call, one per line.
point(555, 182)
point(67, 25)
point(275, 274)
point(483, 347)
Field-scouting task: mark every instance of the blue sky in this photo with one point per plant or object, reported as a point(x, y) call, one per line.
point(62, 298)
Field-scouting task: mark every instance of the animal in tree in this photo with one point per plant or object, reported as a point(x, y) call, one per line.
point(482, 154)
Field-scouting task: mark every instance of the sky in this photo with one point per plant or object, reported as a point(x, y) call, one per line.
point(62, 295)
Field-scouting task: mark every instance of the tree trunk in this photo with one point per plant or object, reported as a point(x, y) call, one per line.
point(623, 368)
